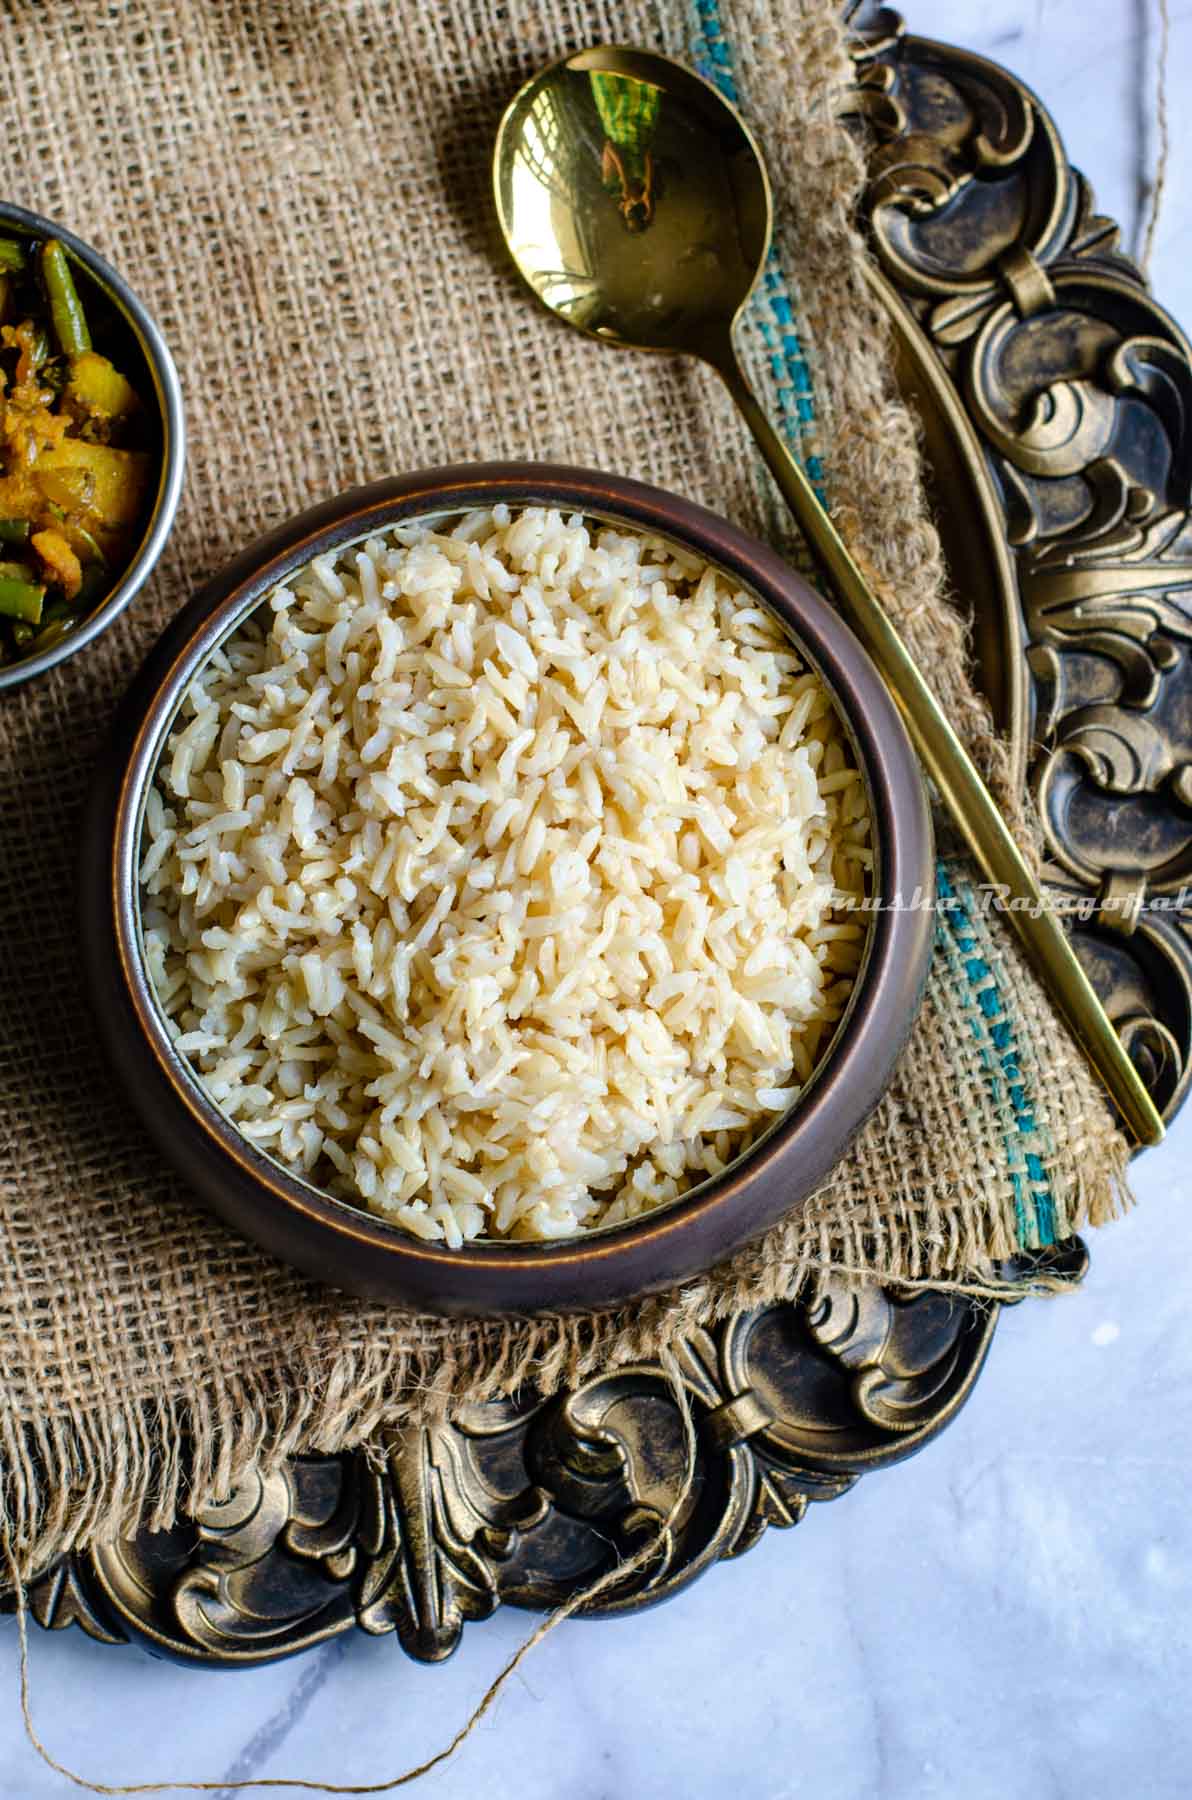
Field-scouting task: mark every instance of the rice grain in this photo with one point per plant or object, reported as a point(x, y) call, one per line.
point(492, 875)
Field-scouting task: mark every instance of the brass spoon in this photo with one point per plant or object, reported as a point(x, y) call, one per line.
point(636, 205)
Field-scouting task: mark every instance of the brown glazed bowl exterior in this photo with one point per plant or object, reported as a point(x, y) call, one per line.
point(350, 1248)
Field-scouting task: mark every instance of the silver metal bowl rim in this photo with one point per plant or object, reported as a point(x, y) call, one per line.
point(168, 393)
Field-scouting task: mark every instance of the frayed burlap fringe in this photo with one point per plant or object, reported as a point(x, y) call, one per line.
point(90, 1472)
point(97, 1477)
point(300, 193)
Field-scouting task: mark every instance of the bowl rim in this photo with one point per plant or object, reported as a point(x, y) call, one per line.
point(168, 394)
point(299, 1221)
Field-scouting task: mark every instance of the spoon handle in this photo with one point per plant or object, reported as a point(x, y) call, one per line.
point(947, 762)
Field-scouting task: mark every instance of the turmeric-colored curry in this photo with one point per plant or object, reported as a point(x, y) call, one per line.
point(74, 467)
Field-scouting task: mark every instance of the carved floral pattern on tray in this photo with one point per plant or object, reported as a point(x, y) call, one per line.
point(1031, 342)
point(522, 1503)
point(1055, 397)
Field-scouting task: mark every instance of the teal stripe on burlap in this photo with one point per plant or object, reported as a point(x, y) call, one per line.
point(772, 311)
point(958, 937)
point(960, 940)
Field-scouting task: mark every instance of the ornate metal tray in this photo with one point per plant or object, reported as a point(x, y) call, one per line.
point(1056, 398)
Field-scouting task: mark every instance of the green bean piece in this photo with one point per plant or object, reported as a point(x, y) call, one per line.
point(21, 634)
point(94, 585)
point(66, 309)
point(55, 608)
point(21, 599)
point(15, 531)
point(58, 608)
point(12, 256)
point(96, 560)
point(54, 634)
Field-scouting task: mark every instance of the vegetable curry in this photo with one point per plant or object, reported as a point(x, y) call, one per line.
point(74, 466)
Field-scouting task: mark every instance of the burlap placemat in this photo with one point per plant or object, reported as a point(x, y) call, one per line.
point(299, 190)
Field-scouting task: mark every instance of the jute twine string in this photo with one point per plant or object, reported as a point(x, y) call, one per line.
point(613, 1576)
point(1163, 131)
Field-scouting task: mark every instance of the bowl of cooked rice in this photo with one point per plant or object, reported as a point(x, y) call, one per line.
point(507, 889)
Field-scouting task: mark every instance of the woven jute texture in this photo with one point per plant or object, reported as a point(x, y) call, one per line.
point(299, 191)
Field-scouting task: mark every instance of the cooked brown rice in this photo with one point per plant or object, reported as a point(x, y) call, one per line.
point(492, 874)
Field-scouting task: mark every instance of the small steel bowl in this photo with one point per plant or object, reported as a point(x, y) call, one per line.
point(351, 1248)
point(151, 370)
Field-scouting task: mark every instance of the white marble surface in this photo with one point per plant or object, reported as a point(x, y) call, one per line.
point(1007, 1614)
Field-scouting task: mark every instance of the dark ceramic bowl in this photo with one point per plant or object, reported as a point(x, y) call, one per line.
point(338, 1243)
point(150, 367)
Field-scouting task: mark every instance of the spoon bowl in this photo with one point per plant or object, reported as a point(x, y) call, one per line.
point(635, 202)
